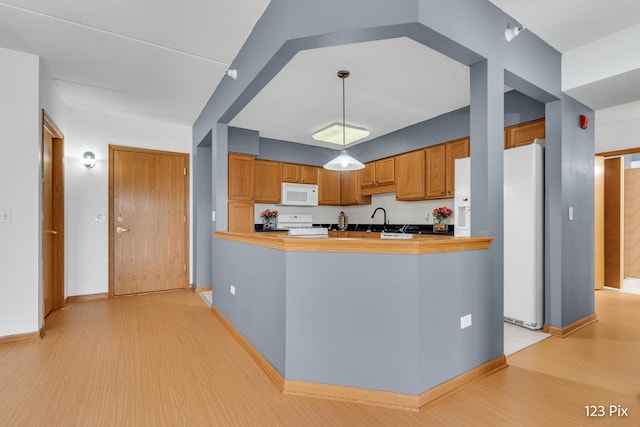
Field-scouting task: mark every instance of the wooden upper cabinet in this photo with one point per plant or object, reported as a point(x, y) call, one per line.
point(458, 149)
point(241, 176)
point(380, 172)
point(308, 174)
point(410, 176)
point(350, 193)
point(368, 175)
point(524, 134)
point(290, 172)
point(241, 217)
point(328, 187)
point(268, 177)
point(436, 171)
point(303, 174)
point(385, 171)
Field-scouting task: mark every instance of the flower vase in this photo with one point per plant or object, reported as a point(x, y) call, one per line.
point(440, 227)
point(269, 224)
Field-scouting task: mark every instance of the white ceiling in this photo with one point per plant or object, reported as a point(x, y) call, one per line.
point(161, 60)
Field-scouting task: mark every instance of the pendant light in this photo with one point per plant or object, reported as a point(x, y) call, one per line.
point(344, 162)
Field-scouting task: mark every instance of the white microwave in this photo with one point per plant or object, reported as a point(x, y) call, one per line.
point(299, 194)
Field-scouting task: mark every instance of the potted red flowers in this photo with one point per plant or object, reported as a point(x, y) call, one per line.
point(439, 215)
point(269, 219)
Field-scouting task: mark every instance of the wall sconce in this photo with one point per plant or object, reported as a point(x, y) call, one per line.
point(510, 33)
point(88, 159)
point(232, 73)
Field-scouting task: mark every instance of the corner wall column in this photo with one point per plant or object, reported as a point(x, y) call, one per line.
point(487, 180)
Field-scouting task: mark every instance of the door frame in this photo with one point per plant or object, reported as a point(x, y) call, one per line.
point(599, 204)
point(58, 255)
point(112, 222)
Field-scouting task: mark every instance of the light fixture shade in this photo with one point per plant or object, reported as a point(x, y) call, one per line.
point(88, 159)
point(344, 162)
point(333, 134)
point(510, 33)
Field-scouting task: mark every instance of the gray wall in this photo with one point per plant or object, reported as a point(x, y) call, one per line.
point(203, 228)
point(518, 108)
point(471, 32)
point(376, 321)
point(257, 310)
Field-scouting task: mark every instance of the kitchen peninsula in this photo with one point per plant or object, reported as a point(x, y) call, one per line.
point(361, 319)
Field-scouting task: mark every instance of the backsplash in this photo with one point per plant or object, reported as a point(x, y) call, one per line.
point(418, 212)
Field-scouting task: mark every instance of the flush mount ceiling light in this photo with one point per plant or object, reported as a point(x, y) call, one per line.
point(88, 159)
point(510, 33)
point(344, 162)
point(333, 134)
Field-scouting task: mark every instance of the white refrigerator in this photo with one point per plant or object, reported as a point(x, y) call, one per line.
point(524, 235)
point(523, 230)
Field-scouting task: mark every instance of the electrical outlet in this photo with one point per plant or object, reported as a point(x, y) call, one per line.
point(426, 216)
point(232, 289)
point(465, 321)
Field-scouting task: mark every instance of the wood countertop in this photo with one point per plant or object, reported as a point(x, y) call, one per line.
point(420, 244)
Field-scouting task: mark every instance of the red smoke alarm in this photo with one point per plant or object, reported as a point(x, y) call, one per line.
point(584, 121)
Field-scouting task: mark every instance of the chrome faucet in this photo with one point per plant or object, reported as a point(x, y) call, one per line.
point(384, 218)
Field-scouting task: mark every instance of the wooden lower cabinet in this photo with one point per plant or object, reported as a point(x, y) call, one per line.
point(268, 179)
point(241, 217)
point(410, 176)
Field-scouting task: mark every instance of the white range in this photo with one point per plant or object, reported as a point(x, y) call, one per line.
point(301, 225)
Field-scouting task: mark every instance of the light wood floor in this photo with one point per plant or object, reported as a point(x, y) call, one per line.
point(164, 360)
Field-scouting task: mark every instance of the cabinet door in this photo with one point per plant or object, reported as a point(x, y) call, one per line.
point(385, 171)
point(241, 176)
point(524, 134)
point(308, 174)
point(410, 176)
point(241, 217)
point(368, 175)
point(350, 189)
point(268, 179)
point(328, 187)
point(290, 172)
point(458, 149)
point(436, 177)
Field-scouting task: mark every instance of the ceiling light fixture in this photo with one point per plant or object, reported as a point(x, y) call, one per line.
point(344, 162)
point(233, 73)
point(510, 33)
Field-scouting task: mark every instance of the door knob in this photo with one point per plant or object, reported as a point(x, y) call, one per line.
point(120, 230)
point(52, 232)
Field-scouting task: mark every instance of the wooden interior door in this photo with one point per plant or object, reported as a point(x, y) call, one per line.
point(52, 215)
point(632, 223)
point(614, 222)
point(148, 221)
point(48, 232)
point(598, 223)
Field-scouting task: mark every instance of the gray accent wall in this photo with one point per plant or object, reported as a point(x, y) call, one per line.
point(471, 32)
point(375, 321)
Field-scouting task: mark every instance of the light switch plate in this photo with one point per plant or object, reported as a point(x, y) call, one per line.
point(465, 321)
point(5, 215)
